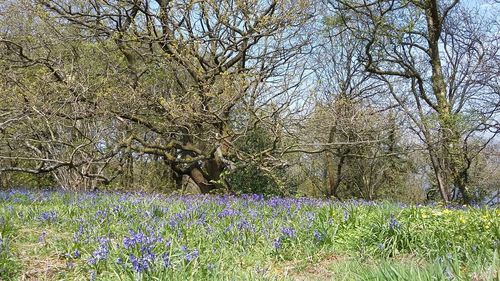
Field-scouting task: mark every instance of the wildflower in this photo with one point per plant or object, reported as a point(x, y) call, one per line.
point(147, 254)
point(393, 223)
point(166, 259)
point(101, 253)
point(346, 215)
point(277, 243)
point(227, 213)
point(138, 264)
point(244, 225)
point(192, 255)
point(48, 216)
point(317, 236)
point(288, 232)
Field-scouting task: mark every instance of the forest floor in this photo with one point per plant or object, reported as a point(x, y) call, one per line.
point(49, 235)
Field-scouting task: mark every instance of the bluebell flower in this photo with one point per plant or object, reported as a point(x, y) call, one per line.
point(393, 223)
point(192, 255)
point(317, 235)
point(288, 232)
point(346, 215)
point(166, 259)
point(277, 243)
point(227, 213)
point(138, 264)
point(101, 253)
point(50, 216)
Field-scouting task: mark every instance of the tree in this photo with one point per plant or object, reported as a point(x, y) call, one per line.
point(442, 77)
point(183, 79)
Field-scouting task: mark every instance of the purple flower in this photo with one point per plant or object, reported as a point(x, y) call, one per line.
point(288, 232)
point(227, 213)
point(101, 253)
point(138, 264)
point(393, 223)
point(166, 259)
point(192, 255)
point(48, 216)
point(346, 215)
point(317, 235)
point(277, 243)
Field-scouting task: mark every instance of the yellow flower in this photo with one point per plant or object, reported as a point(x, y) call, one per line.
point(462, 220)
point(446, 211)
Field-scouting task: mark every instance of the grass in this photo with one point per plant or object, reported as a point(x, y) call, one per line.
point(114, 236)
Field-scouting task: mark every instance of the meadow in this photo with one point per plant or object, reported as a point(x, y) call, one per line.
point(48, 235)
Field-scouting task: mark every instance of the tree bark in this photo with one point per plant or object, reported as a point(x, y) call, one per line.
point(450, 135)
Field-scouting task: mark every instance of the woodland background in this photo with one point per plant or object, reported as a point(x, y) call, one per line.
point(369, 99)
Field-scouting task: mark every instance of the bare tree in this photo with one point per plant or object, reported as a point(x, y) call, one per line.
point(434, 72)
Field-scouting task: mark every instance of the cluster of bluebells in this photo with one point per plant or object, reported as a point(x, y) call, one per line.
point(394, 223)
point(101, 253)
point(141, 250)
point(50, 216)
point(135, 232)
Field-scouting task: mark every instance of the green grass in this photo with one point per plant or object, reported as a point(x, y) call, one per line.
point(107, 236)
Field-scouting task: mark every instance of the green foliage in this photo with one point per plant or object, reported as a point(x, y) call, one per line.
point(9, 265)
point(249, 179)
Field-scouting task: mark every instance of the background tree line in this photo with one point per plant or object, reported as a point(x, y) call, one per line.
point(367, 99)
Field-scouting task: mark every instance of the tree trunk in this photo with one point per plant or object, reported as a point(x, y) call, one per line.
point(207, 176)
point(450, 135)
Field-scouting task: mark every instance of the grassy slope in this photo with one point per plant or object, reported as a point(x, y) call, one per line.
point(56, 236)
